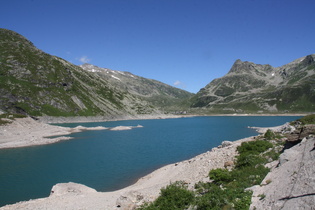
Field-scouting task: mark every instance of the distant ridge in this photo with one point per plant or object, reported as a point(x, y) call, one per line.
point(256, 88)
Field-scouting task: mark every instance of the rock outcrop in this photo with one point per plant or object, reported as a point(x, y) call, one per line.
point(62, 189)
point(291, 182)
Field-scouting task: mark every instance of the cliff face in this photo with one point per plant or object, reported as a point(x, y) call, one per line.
point(262, 88)
point(35, 83)
point(291, 183)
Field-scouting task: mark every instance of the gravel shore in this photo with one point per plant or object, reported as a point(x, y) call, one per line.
point(23, 132)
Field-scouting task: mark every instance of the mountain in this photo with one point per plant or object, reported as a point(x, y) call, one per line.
point(250, 87)
point(157, 93)
point(35, 83)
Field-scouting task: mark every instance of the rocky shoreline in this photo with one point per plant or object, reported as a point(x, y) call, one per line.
point(24, 132)
point(80, 119)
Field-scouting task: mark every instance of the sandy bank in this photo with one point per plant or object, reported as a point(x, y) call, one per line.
point(23, 132)
point(280, 128)
point(78, 119)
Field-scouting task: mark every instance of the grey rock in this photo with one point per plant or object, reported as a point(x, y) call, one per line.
point(226, 143)
point(290, 185)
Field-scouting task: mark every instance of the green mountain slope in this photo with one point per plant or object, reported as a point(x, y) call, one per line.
point(158, 93)
point(35, 83)
point(250, 87)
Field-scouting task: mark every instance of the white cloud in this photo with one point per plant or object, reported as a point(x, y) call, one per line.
point(179, 84)
point(84, 59)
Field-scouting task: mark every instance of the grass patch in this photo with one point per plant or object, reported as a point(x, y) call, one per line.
point(309, 119)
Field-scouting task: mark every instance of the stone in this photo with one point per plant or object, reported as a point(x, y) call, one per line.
point(70, 188)
point(228, 164)
point(129, 200)
point(226, 143)
point(286, 156)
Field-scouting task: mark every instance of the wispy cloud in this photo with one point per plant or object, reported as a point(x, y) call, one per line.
point(179, 84)
point(84, 59)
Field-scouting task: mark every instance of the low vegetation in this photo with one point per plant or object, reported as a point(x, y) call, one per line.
point(174, 196)
point(309, 119)
point(227, 190)
point(7, 118)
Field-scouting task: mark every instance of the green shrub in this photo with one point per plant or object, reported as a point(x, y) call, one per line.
point(254, 147)
point(174, 196)
point(214, 196)
point(247, 159)
point(274, 155)
point(248, 176)
point(269, 135)
point(220, 175)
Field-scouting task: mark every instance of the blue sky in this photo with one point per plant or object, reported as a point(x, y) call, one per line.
point(184, 43)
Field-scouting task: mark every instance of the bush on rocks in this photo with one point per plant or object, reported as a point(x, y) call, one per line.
point(174, 196)
point(227, 189)
point(269, 135)
point(309, 119)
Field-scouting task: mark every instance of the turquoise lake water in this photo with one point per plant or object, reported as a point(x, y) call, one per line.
point(109, 160)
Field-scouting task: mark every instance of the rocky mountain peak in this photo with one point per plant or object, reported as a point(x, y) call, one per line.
point(258, 88)
point(236, 66)
point(243, 67)
point(247, 67)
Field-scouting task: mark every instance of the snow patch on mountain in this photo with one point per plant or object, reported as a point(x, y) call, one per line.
point(115, 77)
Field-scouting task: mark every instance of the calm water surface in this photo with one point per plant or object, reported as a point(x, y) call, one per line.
point(110, 160)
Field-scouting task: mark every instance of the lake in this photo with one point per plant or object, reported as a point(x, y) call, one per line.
point(109, 160)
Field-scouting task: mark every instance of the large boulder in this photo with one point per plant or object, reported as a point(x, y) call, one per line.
point(70, 189)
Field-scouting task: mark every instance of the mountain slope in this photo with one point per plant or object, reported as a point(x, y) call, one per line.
point(158, 93)
point(35, 83)
point(262, 88)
